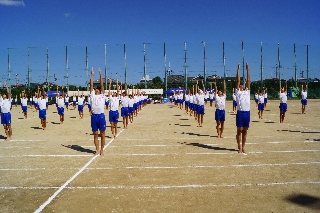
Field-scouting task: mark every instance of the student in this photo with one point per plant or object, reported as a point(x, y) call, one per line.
point(186, 102)
point(283, 101)
point(260, 103)
point(74, 101)
point(265, 97)
point(16, 101)
point(80, 104)
point(234, 101)
point(211, 97)
point(131, 107)
point(125, 110)
point(304, 101)
point(60, 103)
point(220, 102)
point(191, 97)
point(66, 101)
point(200, 102)
point(6, 115)
point(113, 112)
point(42, 108)
point(98, 119)
point(24, 104)
point(243, 110)
point(256, 98)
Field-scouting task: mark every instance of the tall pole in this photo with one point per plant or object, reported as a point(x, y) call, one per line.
point(144, 65)
point(165, 65)
point(105, 67)
point(224, 60)
point(185, 66)
point(28, 80)
point(67, 69)
point(204, 62)
point(8, 79)
point(295, 64)
point(307, 64)
point(261, 66)
point(87, 68)
point(242, 44)
point(125, 64)
point(48, 84)
point(279, 62)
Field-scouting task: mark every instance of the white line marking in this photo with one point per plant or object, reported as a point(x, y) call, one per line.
point(209, 185)
point(71, 179)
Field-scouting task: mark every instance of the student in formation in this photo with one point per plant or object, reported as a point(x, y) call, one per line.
point(113, 110)
point(260, 103)
point(191, 97)
point(42, 107)
point(283, 101)
point(98, 119)
point(66, 101)
point(220, 102)
point(200, 102)
point(60, 103)
point(6, 114)
point(80, 104)
point(24, 104)
point(265, 94)
point(211, 97)
point(243, 110)
point(180, 98)
point(256, 98)
point(16, 101)
point(186, 101)
point(234, 101)
point(36, 98)
point(30, 101)
point(304, 102)
point(195, 103)
point(125, 109)
point(74, 101)
point(131, 107)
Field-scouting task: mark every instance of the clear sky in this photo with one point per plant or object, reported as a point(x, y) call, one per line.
point(39, 24)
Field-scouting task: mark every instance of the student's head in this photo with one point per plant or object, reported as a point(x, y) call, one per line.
point(219, 93)
point(282, 89)
point(114, 94)
point(241, 87)
point(97, 90)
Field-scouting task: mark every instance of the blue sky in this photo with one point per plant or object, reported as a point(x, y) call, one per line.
point(77, 24)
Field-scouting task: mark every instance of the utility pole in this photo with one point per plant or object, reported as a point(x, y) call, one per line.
point(204, 63)
point(144, 65)
point(87, 68)
point(224, 60)
point(295, 64)
point(165, 65)
point(125, 64)
point(47, 79)
point(185, 65)
point(105, 67)
point(261, 67)
point(67, 69)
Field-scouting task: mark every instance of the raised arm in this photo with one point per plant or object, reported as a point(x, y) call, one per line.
point(62, 91)
point(8, 92)
point(215, 85)
point(204, 89)
point(91, 80)
point(101, 82)
point(248, 76)
point(238, 77)
point(286, 86)
point(224, 87)
point(110, 82)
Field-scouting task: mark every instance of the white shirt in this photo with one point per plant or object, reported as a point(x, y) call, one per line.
point(234, 97)
point(261, 99)
point(191, 98)
point(221, 102)
point(283, 97)
point(60, 102)
point(304, 95)
point(131, 102)
point(42, 104)
point(80, 100)
point(113, 103)
point(66, 99)
point(24, 101)
point(5, 106)
point(243, 100)
point(125, 101)
point(200, 99)
point(265, 95)
point(97, 103)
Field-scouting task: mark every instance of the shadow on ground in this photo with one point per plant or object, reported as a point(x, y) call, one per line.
point(210, 147)
point(78, 148)
point(305, 200)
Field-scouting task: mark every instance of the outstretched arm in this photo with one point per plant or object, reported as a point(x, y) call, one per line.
point(91, 80)
point(101, 82)
point(224, 87)
point(248, 76)
point(238, 77)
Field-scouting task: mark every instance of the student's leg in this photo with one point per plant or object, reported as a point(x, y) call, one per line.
point(238, 137)
point(221, 129)
point(103, 141)
point(218, 128)
point(96, 142)
point(244, 138)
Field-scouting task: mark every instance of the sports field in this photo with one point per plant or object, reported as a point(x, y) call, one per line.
point(163, 162)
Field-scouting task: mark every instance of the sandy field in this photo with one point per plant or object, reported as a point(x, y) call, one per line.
point(163, 162)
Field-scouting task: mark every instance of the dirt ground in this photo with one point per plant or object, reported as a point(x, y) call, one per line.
point(163, 162)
